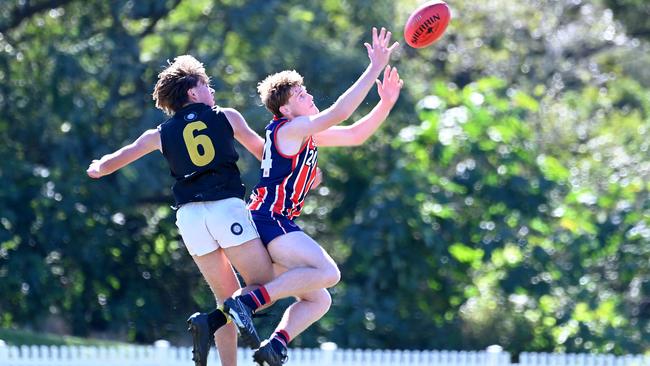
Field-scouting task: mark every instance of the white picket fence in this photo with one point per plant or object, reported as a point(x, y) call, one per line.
point(181, 356)
point(553, 359)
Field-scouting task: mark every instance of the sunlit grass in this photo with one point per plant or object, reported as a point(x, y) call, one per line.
point(23, 337)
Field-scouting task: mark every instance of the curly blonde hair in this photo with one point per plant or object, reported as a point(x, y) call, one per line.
point(181, 75)
point(275, 89)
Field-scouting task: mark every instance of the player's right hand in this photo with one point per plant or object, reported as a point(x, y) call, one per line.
point(379, 52)
point(94, 170)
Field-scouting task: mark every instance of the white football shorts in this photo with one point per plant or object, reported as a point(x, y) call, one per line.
point(208, 226)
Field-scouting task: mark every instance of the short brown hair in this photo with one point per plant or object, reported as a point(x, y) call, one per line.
point(170, 92)
point(275, 90)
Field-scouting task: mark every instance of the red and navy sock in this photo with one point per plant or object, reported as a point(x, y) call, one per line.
point(256, 299)
point(280, 340)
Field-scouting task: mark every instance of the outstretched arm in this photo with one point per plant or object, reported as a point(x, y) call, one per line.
point(359, 132)
point(146, 143)
point(244, 134)
point(379, 54)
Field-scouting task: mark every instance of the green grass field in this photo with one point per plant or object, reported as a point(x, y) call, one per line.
point(23, 337)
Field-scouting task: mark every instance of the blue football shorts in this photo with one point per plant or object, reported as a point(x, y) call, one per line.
point(270, 227)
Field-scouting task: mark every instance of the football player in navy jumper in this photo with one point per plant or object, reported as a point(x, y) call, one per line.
point(287, 173)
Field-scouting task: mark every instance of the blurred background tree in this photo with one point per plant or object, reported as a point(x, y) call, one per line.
point(504, 201)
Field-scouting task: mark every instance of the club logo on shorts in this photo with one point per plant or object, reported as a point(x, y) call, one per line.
point(236, 229)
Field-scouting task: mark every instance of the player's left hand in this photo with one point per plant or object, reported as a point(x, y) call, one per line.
point(391, 86)
point(94, 170)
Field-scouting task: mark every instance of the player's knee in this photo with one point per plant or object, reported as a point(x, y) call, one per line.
point(324, 300)
point(331, 275)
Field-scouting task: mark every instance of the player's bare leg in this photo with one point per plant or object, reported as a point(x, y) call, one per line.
point(308, 268)
point(219, 275)
point(296, 319)
point(254, 264)
point(308, 265)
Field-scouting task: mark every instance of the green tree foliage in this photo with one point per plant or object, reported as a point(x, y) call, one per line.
point(504, 201)
point(633, 14)
point(465, 190)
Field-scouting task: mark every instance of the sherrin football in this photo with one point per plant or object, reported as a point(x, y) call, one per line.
point(427, 24)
